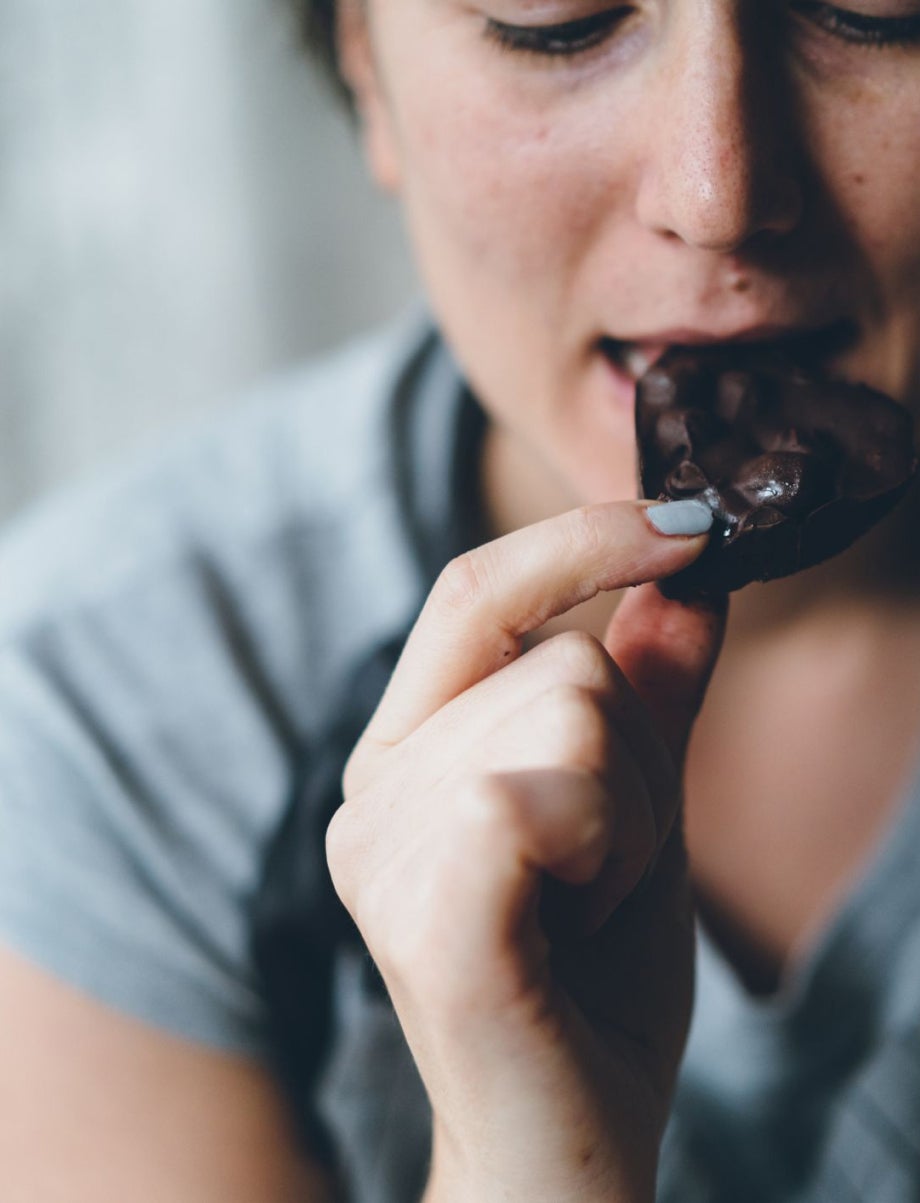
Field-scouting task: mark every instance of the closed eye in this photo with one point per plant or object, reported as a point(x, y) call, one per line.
point(578, 36)
point(569, 37)
point(860, 28)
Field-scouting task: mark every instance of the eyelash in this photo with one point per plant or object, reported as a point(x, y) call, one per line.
point(571, 38)
point(860, 29)
point(555, 41)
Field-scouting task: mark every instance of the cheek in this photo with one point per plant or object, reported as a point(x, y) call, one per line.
point(874, 189)
point(502, 197)
point(508, 209)
point(872, 149)
point(493, 187)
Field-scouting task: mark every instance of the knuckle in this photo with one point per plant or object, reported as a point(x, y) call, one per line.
point(488, 807)
point(583, 660)
point(361, 878)
point(340, 839)
point(463, 583)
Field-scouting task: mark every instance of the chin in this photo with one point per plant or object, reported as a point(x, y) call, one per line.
point(613, 479)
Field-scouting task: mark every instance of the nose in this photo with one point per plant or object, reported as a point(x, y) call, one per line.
point(718, 166)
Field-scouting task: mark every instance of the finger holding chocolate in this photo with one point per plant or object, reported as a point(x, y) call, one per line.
point(795, 468)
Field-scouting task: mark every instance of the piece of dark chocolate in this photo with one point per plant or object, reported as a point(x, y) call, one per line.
point(793, 467)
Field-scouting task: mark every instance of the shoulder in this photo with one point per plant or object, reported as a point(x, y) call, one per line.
point(169, 635)
point(302, 455)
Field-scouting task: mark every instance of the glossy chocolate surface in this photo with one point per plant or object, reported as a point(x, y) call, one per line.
point(794, 468)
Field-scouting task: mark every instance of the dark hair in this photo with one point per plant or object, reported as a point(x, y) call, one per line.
point(316, 25)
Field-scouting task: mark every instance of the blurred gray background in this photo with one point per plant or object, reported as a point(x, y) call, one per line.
point(182, 209)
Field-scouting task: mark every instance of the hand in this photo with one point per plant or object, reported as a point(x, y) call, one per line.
point(510, 848)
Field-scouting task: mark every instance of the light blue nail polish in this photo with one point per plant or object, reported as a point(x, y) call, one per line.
point(689, 517)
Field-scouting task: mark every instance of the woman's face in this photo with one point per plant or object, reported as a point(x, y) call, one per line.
point(664, 171)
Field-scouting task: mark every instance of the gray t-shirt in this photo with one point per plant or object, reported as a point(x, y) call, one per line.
point(169, 640)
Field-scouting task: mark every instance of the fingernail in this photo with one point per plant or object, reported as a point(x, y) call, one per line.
point(689, 517)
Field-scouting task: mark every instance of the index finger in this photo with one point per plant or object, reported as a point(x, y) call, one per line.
point(488, 599)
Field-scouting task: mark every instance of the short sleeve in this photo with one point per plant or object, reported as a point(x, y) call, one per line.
point(142, 766)
point(170, 634)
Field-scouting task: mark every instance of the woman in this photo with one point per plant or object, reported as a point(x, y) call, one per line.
point(584, 187)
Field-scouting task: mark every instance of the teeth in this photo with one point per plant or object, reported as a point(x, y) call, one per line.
point(636, 361)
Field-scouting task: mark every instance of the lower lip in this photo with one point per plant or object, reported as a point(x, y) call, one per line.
point(624, 386)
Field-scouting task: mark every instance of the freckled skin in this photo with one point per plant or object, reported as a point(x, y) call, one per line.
point(686, 174)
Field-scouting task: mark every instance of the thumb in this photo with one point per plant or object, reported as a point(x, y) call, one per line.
point(667, 650)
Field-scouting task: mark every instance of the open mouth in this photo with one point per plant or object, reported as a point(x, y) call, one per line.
point(812, 350)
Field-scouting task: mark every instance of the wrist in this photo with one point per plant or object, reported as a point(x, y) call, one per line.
point(462, 1179)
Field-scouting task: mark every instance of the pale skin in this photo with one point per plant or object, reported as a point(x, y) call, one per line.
point(482, 771)
point(664, 180)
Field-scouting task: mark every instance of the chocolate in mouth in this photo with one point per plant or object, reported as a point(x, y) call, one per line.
point(795, 468)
